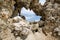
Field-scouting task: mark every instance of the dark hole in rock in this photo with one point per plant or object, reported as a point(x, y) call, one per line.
point(36, 30)
point(41, 26)
point(55, 33)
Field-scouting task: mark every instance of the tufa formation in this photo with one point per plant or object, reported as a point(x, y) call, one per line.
point(15, 27)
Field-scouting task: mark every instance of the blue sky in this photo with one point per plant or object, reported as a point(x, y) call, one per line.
point(30, 15)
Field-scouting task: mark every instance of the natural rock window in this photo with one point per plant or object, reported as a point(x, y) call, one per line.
point(30, 15)
point(42, 2)
point(23, 21)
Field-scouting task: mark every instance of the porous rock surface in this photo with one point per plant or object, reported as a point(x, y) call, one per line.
point(14, 27)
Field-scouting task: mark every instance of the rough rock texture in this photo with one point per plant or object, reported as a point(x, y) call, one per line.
point(14, 27)
point(32, 4)
point(51, 18)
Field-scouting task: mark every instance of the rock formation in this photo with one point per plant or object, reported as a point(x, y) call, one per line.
point(51, 17)
point(15, 27)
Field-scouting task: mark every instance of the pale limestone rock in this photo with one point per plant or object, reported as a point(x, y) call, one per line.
point(16, 28)
point(7, 35)
point(39, 36)
point(30, 37)
point(18, 38)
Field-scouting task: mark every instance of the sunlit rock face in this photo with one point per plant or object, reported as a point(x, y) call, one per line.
point(6, 7)
point(14, 28)
point(5, 12)
point(17, 28)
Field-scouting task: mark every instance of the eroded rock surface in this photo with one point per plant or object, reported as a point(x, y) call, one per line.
point(14, 27)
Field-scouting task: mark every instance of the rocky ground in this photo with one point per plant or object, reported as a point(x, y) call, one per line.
point(19, 29)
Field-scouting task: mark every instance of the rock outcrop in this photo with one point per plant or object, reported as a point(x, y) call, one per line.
point(15, 27)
